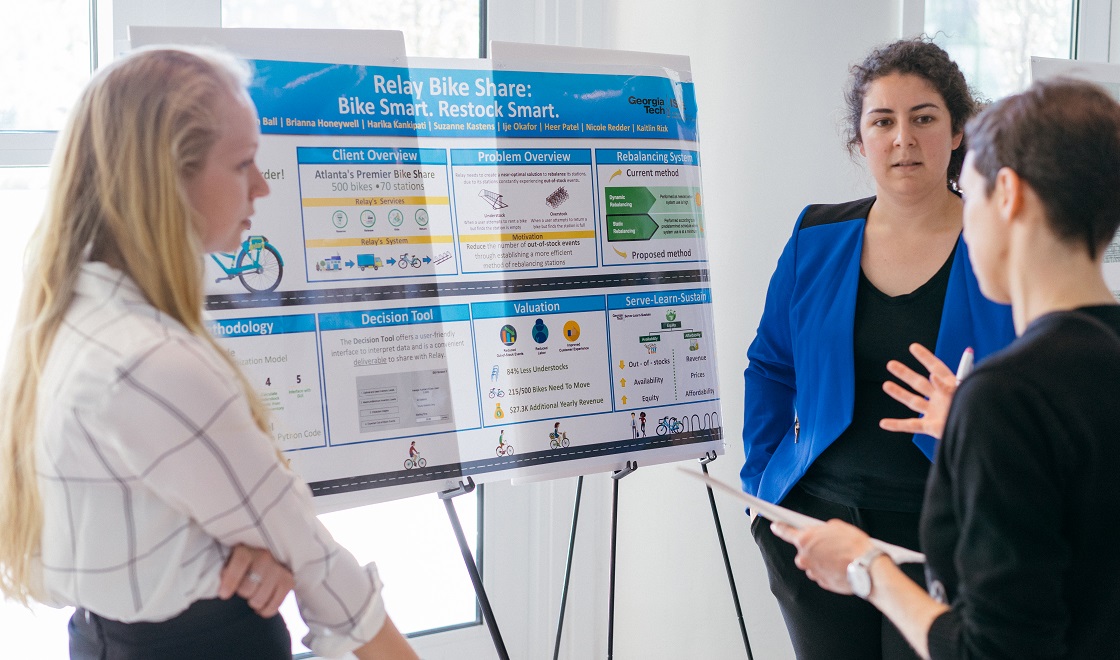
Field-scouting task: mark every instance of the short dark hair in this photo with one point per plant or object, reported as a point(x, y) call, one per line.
point(1062, 137)
point(925, 59)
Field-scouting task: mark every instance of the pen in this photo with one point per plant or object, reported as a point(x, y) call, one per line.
point(965, 367)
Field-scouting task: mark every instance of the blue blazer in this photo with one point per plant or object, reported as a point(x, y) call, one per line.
point(802, 356)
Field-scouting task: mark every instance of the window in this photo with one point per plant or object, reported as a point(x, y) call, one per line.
point(39, 41)
point(432, 28)
point(40, 632)
point(417, 556)
point(993, 40)
point(42, 41)
point(23, 191)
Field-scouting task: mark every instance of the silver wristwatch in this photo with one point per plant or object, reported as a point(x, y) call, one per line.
point(859, 572)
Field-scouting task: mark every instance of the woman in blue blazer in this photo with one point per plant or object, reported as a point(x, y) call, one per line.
point(856, 284)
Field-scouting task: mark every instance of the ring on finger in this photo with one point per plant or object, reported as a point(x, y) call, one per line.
point(255, 578)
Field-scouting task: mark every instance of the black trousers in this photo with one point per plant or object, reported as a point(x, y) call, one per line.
point(212, 629)
point(827, 626)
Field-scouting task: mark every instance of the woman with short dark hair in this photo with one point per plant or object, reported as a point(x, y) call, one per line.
point(1019, 521)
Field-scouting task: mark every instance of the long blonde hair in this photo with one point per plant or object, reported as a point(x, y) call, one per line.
point(142, 127)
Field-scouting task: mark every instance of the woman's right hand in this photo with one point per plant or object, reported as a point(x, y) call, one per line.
point(934, 394)
point(255, 575)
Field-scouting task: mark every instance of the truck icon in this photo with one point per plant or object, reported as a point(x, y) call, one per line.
point(369, 261)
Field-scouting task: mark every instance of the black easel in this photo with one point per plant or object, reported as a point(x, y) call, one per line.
point(568, 569)
point(616, 476)
point(631, 466)
point(708, 458)
point(472, 568)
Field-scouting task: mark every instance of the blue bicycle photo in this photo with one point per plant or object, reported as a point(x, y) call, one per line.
point(258, 265)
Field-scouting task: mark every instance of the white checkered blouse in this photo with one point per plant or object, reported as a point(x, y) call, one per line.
point(151, 467)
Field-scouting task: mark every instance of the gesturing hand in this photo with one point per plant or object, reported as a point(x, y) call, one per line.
point(934, 394)
point(255, 575)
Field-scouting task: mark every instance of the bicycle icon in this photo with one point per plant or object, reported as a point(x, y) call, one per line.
point(258, 265)
point(405, 261)
point(419, 462)
point(667, 425)
point(558, 440)
point(497, 392)
point(504, 449)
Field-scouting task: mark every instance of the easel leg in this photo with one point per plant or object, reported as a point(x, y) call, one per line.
point(568, 569)
point(708, 458)
point(472, 568)
point(616, 476)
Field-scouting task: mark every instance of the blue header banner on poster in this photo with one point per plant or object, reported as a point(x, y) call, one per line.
point(520, 156)
point(398, 316)
point(646, 156)
point(497, 310)
point(299, 98)
point(261, 325)
point(347, 155)
point(659, 299)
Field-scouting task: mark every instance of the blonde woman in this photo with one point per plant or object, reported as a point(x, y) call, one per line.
point(135, 454)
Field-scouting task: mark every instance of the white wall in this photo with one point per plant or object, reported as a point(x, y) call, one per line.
point(769, 78)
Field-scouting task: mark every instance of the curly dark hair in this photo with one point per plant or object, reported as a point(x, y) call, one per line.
point(925, 59)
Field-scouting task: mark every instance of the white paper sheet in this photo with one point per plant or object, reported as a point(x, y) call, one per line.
point(898, 554)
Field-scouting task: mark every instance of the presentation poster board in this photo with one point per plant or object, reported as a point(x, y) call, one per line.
point(1108, 77)
point(470, 270)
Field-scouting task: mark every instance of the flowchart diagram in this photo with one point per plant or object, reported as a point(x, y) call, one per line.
point(524, 209)
point(374, 213)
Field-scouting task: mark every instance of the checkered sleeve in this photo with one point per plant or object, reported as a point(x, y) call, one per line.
point(175, 419)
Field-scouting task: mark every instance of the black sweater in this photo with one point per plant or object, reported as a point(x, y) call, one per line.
point(1022, 518)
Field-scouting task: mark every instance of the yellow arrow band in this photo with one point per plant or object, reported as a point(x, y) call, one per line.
point(375, 242)
point(376, 201)
point(525, 236)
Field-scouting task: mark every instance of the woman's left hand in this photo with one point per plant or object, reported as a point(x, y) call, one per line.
point(255, 575)
point(825, 551)
point(934, 394)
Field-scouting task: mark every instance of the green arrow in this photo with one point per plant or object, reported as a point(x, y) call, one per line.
point(628, 200)
point(630, 227)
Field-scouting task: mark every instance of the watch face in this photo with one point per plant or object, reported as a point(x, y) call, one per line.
point(859, 579)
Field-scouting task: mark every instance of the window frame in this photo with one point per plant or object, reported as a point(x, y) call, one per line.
point(1096, 36)
point(1096, 27)
point(26, 148)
